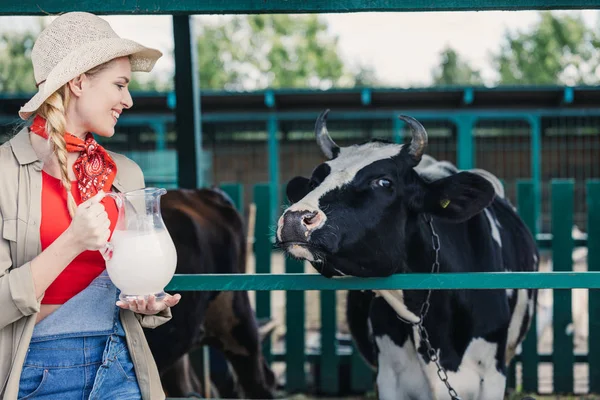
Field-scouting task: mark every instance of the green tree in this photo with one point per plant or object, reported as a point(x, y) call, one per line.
point(455, 71)
point(16, 70)
point(365, 75)
point(559, 49)
point(259, 51)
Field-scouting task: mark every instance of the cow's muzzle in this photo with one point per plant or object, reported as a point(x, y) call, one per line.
point(297, 226)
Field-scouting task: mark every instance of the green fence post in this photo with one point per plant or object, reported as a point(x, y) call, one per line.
point(397, 125)
point(329, 360)
point(465, 142)
point(273, 149)
point(361, 375)
point(262, 254)
point(593, 228)
point(188, 115)
point(511, 375)
point(295, 357)
point(161, 135)
point(536, 166)
point(562, 255)
point(529, 354)
point(236, 192)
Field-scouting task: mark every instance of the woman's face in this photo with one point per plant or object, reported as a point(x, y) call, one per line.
point(100, 99)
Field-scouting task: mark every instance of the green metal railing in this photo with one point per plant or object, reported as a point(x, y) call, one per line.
point(331, 355)
point(157, 7)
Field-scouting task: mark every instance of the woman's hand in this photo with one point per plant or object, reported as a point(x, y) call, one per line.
point(89, 228)
point(151, 306)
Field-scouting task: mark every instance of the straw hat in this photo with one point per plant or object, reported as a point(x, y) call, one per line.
point(74, 43)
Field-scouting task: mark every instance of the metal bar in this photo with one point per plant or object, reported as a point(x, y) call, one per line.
point(562, 253)
point(465, 142)
point(568, 95)
point(536, 167)
point(511, 375)
point(161, 135)
point(295, 376)
point(365, 97)
point(593, 199)
point(187, 111)
point(262, 254)
point(158, 7)
point(329, 372)
point(361, 374)
point(468, 96)
point(526, 210)
point(397, 125)
point(441, 281)
point(273, 150)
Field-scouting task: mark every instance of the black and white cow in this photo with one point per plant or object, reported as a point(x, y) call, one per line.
point(364, 213)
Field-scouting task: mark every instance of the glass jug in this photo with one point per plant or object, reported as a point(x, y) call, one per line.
point(140, 256)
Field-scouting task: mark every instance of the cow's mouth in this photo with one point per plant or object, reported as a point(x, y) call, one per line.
point(301, 250)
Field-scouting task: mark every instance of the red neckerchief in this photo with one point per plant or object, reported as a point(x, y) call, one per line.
point(94, 168)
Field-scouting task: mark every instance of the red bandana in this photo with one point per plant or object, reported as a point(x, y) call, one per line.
point(94, 168)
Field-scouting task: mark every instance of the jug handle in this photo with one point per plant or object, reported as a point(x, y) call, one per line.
point(107, 250)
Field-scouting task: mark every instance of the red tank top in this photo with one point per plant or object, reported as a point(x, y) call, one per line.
point(55, 220)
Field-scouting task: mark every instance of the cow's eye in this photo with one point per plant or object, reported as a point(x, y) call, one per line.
point(382, 182)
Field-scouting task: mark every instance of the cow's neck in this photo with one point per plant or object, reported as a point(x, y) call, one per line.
point(420, 256)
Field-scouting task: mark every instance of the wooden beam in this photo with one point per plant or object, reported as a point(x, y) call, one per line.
point(44, 7)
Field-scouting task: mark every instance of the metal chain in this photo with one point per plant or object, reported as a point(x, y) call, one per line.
point(433, 355)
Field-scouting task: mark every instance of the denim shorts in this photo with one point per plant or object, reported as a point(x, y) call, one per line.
point(96, 367)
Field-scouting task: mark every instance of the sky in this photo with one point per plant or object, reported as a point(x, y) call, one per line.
point(402, 47)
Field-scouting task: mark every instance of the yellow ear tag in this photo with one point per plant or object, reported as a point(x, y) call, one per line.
point(444, 203)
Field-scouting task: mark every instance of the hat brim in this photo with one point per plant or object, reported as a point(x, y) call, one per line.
point(87, 57)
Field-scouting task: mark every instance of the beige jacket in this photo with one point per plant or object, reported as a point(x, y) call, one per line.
point(20, 213)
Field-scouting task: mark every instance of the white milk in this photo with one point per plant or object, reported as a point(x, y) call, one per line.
point(143, 263)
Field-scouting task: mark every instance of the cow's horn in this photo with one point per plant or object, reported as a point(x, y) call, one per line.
point(326, 143)
point(419, 137)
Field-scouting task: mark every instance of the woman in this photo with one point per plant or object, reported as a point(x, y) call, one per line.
point(61, 334)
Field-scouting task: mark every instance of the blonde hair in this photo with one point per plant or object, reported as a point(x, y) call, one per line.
point(53, 110)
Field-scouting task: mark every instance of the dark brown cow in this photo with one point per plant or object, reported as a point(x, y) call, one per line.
point(209, 236)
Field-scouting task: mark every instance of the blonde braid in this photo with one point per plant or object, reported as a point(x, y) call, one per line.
point(53, 110)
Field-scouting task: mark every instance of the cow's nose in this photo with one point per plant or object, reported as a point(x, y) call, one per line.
point(297, 225)
point(311, 220)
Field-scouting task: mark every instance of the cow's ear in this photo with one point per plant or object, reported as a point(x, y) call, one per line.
point(297, 188)
point(455, 198)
